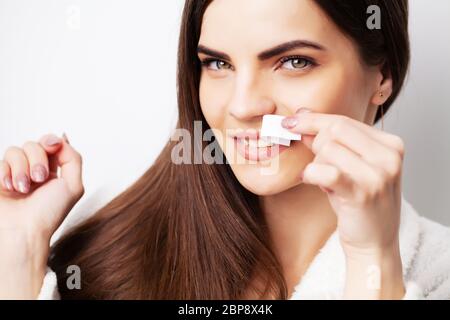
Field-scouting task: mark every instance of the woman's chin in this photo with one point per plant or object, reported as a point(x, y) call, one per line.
point(263, 181)
point(275, 175)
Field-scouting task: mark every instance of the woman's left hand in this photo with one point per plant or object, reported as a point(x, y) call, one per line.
point(359, 167)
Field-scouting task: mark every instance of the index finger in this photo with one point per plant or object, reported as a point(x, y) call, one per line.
point(51, 144)
point(311, 123)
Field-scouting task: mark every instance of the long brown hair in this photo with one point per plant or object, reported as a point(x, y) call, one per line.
point(192, 231)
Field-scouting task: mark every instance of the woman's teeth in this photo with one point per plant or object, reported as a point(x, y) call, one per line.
point(260, 143)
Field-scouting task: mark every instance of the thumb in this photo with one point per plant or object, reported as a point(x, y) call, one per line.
point(308, 140)
point(70, 162)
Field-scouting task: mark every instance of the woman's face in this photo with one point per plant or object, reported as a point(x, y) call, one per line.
point(243, 79)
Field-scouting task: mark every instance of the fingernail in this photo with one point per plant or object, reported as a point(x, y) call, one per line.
point(39, 173)
point(302, 110)
point(23, 183)
point(289, 122)
point(65, 137)
point(52, 141)
point(326, 189)
point(8, 183)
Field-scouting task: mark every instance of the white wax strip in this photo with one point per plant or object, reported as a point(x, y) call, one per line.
point(273, 132)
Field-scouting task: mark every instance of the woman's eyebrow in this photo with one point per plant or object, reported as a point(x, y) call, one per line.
point(267, 54)
point(213, 53)
point(287, 46)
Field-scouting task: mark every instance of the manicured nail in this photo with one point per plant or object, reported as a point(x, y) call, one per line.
point(52, 141)
point(23, 183)
point(326, 189)
point(8, 183)
point(65, 137)
point(289, 122)
point(302, 110)
point(39, 173)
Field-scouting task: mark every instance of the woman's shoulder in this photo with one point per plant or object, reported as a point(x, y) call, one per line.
point(427, 253)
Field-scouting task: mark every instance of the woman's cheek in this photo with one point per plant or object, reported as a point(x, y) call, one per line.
point(213, 103)
point(333, 90)
point(312, 90)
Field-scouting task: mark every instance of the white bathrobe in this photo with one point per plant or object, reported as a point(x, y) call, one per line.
point(424, 249)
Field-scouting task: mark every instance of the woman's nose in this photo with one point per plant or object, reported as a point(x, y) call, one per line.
point(251, 100)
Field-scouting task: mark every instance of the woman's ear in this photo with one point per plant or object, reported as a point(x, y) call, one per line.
point(383, 87)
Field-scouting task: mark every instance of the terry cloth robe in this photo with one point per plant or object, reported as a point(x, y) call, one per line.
point(424, 249)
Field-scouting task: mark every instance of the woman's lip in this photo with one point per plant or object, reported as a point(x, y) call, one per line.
point(246, 134)
point(256, 153)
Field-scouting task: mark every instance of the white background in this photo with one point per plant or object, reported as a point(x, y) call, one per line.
point(103, 71)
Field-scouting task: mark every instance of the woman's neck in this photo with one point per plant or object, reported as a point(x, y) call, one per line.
point(300, 221)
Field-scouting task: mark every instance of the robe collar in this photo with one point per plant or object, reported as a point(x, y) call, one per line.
point(325, 277)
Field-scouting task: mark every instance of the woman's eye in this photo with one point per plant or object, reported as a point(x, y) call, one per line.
point(216, 64)
point(296, 63)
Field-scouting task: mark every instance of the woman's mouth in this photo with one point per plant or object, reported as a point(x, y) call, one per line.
point(251, 147)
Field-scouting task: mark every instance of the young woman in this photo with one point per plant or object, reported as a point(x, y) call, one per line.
point(330, 222)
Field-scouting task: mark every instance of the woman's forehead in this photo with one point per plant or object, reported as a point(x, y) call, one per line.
point(260, 24)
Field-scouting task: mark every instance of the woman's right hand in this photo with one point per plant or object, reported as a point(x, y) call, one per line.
point(34, 200)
